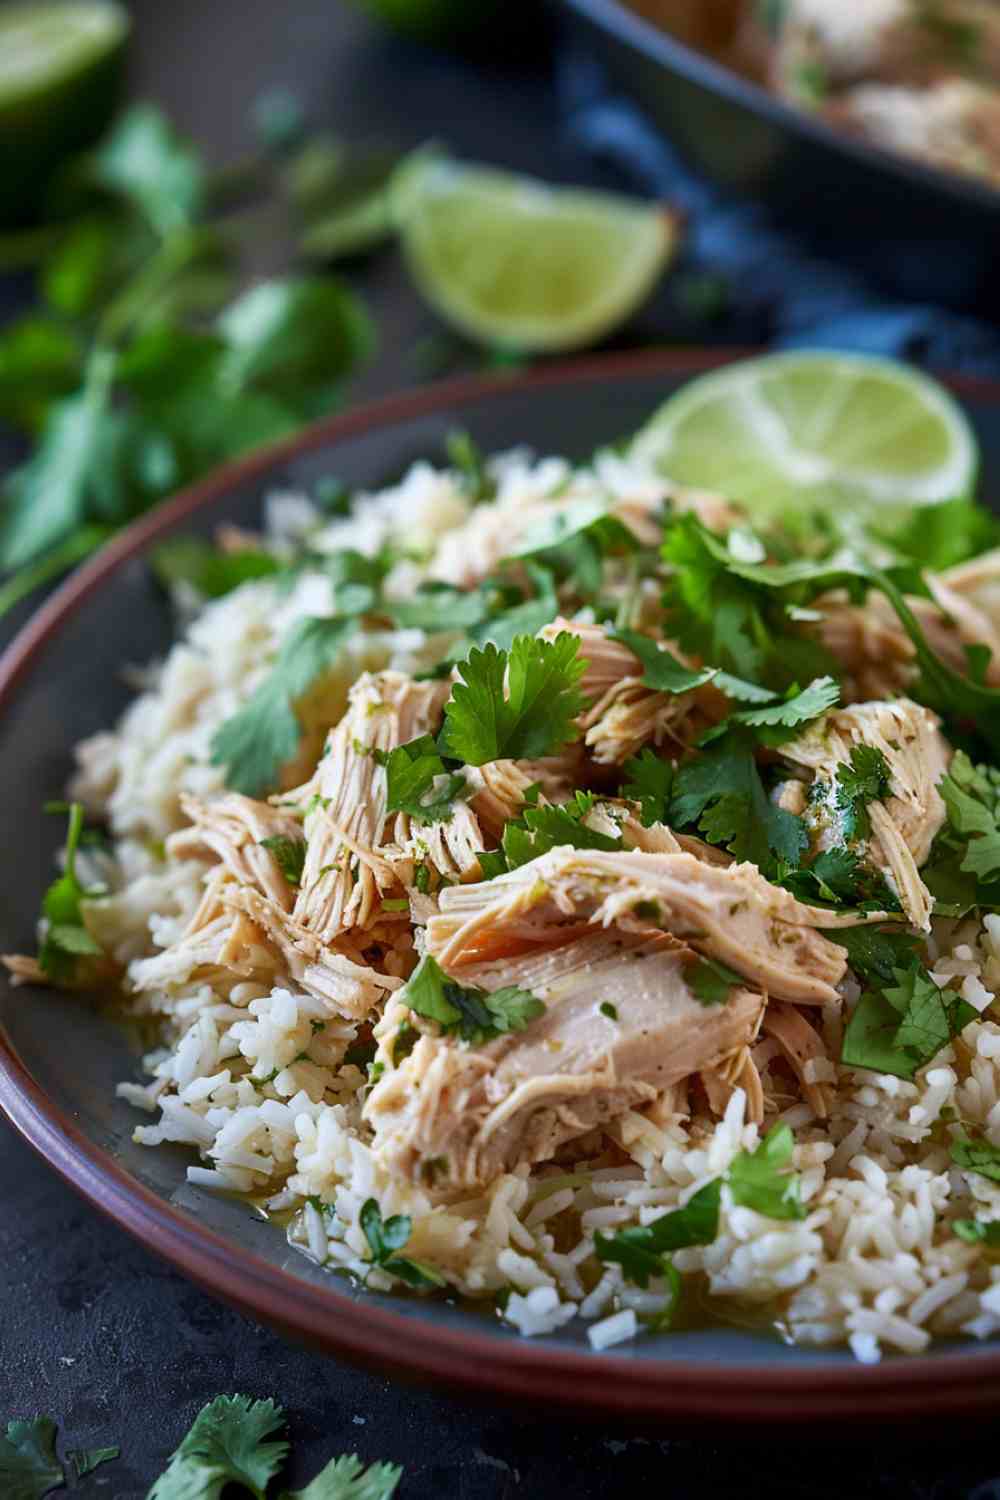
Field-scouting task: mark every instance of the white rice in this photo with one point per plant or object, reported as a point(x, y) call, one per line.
point(263, 1097)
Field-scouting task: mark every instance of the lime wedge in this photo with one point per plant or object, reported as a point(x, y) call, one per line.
point(509, 261)
point(797, 431)
point(60, 64)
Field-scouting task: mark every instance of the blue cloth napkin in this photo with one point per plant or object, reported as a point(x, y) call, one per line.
point(777, 291)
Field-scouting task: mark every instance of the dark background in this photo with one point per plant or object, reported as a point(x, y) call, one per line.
point(96, 1332)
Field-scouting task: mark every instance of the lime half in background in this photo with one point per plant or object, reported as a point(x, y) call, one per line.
point(60, 67)
point(511, 262)
point(835, 430)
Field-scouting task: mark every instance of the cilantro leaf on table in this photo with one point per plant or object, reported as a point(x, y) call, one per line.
point(534, 717)
point(472, 1014)
point(721, 791)
point(262, 736)
point(641, 1249)
point(387, 1236)
point(899, 1028)
point(289, 856)
point(540, 829)
point(661, 670)
point(229, 1442)
point(978, 1232)
point(649, 782)
point(761, 1179)
point(865, 778)
point(411, 773)
point(346, 1478)
point(207, 569)
point(84, 1461)
point(66, 937)
point(977, 1156)
point(710, 981)
point(29, 1467)
point(780, 721)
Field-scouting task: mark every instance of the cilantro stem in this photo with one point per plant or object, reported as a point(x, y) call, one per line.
point(175, 251)
point(74, 549)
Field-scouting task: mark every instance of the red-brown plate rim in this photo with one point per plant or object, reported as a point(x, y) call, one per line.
point(668, 1390)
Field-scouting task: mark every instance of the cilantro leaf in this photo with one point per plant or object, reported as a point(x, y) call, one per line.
point(875, 953)
point(387, 1236)
point(411, 772)
point(289, 856)
point(640, 1250)
point(650, 779)
point(227, 1444)
point(972, 797)
point(257, 741)
point(575, 540)
point(722, 792)
point(29, 1467)
point(780, 721)
point(212, 572)
point(66, 936)
point(465, 455)
point(472, 1014)
point(661, 670)
point(346, 1478)
point(84, 1461)
point(761, 1180)
point(710, 981)
point(143, 160)
point(837, 876)
point(901, 1027)
point(977, 1156)
point(866, 778)
point(438, 606)
point(978, 1232)
point(540, 829)
point(533, 719)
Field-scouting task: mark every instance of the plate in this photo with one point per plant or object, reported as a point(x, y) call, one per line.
point(59, 1058)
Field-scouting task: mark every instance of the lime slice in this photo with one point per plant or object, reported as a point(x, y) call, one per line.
point(511, 262)
point(60, 64)
point(824, 429)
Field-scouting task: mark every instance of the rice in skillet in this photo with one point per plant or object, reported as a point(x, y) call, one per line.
point(618, 1012)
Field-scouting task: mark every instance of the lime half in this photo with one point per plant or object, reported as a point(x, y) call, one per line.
point(60, 64)
point(509, 261)
point(815, 429)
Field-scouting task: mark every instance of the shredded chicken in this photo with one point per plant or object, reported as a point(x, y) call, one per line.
point(905, 825)
point(234, 828)
point(729, 913)
point(457, 1116)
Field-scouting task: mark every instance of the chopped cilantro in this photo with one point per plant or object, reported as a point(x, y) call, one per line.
point(875, 953)
point(781, 720)
point(466, 457)
point(66, 937)
point(263, 735)
point(438, 606)
point(387, 1236)
point(979, 1232)
point(289, 856)
point(29, 1467)
point(649, 782)
point(977, 1156)
point(721, 791)
point(641, 1250)
point(901, 1027)
point(576, 539)
point(227, 1444)
point(972, 797)
point(609, 1010)
point(346, 1478)
point(474, 1015)
point(533, 718)
point(540, 829)
point(661, 670)
point(207, 569)
point(710, 982)
point(761, 1179)
point(865, 778)
point(418, 782)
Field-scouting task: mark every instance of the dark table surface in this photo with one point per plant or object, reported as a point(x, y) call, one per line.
point(98, 1333)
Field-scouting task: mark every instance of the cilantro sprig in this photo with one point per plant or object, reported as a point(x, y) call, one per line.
point(649, 780)
point(418, 781)
point(29, 1465)
point(721, 792)
point(865, 778)
point(540, 829)
point(533, 718)
point(289, 855)
point(387, 1236)
point(262, 736)
point(661, 670)
point(474, 1015)
point(66, 938)
point(899, 1028)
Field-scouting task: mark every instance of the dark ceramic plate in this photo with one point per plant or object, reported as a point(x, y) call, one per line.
point(59, 1060)
point(922, 231)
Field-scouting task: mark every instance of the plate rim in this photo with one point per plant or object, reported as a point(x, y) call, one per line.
point(364, 1331)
